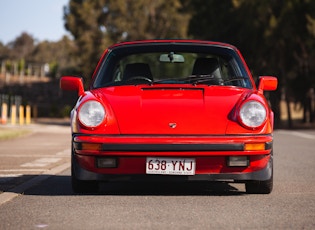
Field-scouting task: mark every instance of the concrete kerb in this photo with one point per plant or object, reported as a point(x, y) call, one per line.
point(12, 193)
point(44, 125)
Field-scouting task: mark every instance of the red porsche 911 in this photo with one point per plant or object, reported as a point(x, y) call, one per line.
point(183, 110)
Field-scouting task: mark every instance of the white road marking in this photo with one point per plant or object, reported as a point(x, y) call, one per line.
point(10, 175)
point(297, 134)
point(7, 196)
point(64, 153)
point(20, 170)
point(41, 162)
point(33, 166)
point(41, 225)
point(7, 177)
point(34, 156)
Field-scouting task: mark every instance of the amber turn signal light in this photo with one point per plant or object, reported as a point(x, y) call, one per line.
point(254, 146)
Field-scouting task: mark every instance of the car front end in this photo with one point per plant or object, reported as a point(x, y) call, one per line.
point(165, 128)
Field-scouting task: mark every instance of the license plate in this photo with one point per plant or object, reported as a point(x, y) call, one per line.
point(170, 166)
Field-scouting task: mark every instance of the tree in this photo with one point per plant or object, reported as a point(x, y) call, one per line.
point(145, 19)
point(82, 19)
point(276, 37)
point(22, 46)
point(59, 55)
point(16, 53)
point(291, 43)
point(23, 52)
point(97, 24)
point(4, 51)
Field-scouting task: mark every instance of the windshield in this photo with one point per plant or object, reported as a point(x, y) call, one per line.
point(170, 65)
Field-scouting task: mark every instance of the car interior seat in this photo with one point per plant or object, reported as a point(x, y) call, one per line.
point(137, 70)
point(208, 66)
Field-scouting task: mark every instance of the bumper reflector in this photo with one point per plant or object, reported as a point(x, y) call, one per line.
point(254, 146)
point(238, 161)
point(106, 162)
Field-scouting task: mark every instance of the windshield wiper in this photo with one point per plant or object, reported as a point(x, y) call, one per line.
point(167, 81)
point(192, 79)
point(235, 79)
point(207, 79)
point(212, 80)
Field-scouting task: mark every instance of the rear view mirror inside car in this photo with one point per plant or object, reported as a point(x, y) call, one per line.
point(172, 57)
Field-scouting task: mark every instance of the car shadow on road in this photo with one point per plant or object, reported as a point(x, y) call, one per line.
point(58, 185)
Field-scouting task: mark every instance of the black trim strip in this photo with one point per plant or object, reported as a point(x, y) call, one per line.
point(269, 145)
point(168, 135)
point(167, 147)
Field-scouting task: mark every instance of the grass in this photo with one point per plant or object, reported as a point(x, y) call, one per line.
point(10, 133)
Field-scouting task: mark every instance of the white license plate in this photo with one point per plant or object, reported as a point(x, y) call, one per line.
point(170, 166)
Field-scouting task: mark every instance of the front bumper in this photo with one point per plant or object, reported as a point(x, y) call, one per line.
point(210, 153)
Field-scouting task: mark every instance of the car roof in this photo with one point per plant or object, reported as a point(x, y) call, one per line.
point(172, 41)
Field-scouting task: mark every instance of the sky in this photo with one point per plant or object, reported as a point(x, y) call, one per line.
point(42, 19)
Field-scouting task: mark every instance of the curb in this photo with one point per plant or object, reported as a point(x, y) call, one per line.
point(19, 190)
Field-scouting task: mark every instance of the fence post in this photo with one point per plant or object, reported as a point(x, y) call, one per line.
point(13, 114)
point(35, 112)
point(21, 115)
point(4, 113)
point(28, 115)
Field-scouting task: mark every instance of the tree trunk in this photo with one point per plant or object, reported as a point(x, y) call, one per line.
point(290, 124)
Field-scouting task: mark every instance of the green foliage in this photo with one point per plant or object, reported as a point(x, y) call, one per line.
point(97, 24)
point(143, 19)
point(8, 65)
point(66, 110)
point(277, 37)
point(22, 46)
point(83, 21)
point(21, 64)
point(24, 52)
point(53, 68)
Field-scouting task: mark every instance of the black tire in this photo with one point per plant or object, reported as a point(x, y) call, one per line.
point(82, 186)
point(259, 187)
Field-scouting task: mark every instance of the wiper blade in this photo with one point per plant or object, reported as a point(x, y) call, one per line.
point(192, 79)
point(199, 77)
point(218, 81)
point(167, 81)
point(235, 79)
point(207, 79)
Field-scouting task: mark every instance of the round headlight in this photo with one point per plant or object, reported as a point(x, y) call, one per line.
point(91, 113)
point(253, 114)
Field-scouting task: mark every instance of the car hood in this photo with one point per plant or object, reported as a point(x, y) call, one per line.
point(171, 110)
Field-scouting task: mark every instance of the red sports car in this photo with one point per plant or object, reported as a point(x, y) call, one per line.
point(172, 110)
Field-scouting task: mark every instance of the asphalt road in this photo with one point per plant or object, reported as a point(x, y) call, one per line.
point(41, 198)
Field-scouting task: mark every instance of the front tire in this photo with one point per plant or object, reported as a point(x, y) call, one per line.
point(259, 187)
point(82, 186)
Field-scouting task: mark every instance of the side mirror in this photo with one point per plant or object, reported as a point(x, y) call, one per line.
point(267, 83)
point(72, 83)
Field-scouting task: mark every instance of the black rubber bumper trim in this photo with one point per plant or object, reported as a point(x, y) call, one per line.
point(166, 147)
point(261, 175)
